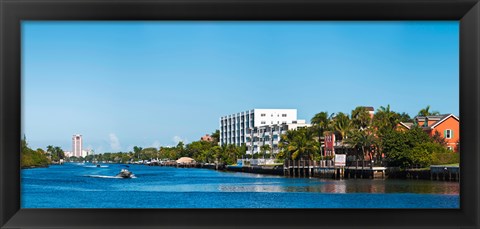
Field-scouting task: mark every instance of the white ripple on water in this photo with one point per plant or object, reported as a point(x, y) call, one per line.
point(107, 177)
point(60, 188)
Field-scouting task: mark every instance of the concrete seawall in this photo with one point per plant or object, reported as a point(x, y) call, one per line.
point(275, 170)
point(440, 173)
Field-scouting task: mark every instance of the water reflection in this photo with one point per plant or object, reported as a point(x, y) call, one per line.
point(346, 186)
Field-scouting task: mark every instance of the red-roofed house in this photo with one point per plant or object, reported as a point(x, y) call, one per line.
point(448, 126)
point(206, 138)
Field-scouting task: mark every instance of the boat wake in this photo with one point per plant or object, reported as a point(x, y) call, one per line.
point(107, 177)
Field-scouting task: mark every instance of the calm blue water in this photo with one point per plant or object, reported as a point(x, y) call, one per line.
point(81, 186)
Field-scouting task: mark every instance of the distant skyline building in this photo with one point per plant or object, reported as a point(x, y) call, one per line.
point(77, 145)
point(257, 127)
point(84, 153)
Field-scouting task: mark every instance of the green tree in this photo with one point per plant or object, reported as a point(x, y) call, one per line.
point(361, 118)
point(216, 136)
point(265, 149)
point(398, 147)
point(343, 126)
point(321, 122)
point(385, 120)
point(59, 152)
point(437, 137)
point(32, 158)
point(363, 142)
point(147, 153)
point(297, 144)
point(137, 151)
point(404, 117)
point(285, 140)
point(50, 150)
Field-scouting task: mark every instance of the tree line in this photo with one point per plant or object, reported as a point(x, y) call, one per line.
point(358, 134)
point(374, 138)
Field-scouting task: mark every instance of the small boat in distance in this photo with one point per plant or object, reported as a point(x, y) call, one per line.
point(124, 173)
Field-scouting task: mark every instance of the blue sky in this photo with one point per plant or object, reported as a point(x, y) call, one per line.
point(122, 84)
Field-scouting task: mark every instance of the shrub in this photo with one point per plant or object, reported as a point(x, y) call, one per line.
point(445, 158)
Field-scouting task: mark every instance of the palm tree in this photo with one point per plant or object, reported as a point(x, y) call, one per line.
point(265, 149)
point(217, 153)
point(361, 118)
point(299, 144)
point(404, 117)
point(426, 112)
point(385, 119)
point(137, 151)
point(363, 140)
point(321, 122)
point(59, 152)
point(285, 140)
point(342, 124)
point(231, 153)
point(50, 149)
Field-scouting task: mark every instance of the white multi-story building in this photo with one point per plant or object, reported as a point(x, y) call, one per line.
point(77, 145)
point(86, 152)
point(270, 135)
point(257, 127)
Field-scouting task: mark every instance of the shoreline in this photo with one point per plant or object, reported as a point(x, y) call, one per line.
point(391, 173)
point(35, 167)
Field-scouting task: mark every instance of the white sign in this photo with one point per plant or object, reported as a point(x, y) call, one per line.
point(340, 159)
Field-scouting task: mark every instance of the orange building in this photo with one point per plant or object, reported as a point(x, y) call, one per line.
point(206, 138)
point(447, 126)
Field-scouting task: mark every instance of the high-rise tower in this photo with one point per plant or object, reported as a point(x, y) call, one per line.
point(77, 145)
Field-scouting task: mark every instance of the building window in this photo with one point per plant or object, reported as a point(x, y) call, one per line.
point(448, 134)
point(284, 122)
point(284, 115)
point(263, 115)
point(263, 122)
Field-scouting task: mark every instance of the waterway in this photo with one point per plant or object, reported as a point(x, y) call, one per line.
point(87, 186)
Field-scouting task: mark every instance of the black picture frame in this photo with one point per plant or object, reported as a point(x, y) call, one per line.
point(12, 12)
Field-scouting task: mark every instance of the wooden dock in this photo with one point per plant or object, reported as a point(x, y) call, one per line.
point(327, 169)
point(365, 172)
point(308, 168)
point(445, 173)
